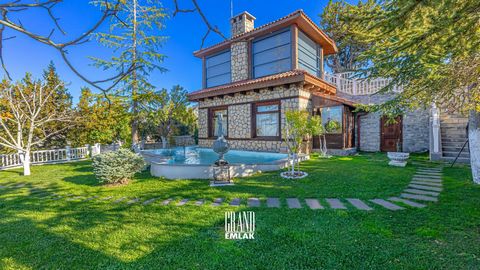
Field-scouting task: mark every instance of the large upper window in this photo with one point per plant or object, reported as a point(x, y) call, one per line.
point(309, 55)
point(214, 121)
point(218, 69)
point(267, 119)
point(272, 54)
point(332, 119)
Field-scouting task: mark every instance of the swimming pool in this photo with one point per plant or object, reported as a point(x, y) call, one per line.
point(196, 162)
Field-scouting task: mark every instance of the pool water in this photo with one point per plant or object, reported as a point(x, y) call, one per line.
point(206, 156)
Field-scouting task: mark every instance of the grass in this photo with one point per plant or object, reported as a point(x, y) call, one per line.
point(59, 234)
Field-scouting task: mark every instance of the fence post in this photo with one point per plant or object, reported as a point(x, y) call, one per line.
point(89, 150)
point(67, 151)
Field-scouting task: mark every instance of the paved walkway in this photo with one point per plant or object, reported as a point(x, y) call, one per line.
point(425, 187)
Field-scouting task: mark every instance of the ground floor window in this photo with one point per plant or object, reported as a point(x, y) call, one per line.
point(214, 121)
point(267, 119)
point(332, 119)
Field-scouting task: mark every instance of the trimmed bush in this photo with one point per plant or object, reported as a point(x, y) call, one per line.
point(117, 167)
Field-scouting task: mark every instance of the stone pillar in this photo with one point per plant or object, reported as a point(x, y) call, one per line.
point(239, 50)
point(242, 23)
point(435, 134)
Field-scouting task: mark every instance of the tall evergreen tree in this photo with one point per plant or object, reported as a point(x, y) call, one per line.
point(134, 36)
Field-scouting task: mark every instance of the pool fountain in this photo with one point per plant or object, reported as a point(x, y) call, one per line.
point(221, 168)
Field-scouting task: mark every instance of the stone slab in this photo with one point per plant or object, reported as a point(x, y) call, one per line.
point(235, 202)
point(420, 186)
point(336, 204)
point(359, 204)
point(199, 202)
point(293, 203)
point(119, 200)
point(106, 198)
point(421, 192)
point(147, 202)
point(427, 180)
point(419, 197)
point(75, 198)
point(253, 202)
point(407, 202)
point(182, 202)
point(426, 183)
point(427, 174)
point(313, 204)
point(386, 204)
point(167, 201)
point(273, 202)
point(217, 202)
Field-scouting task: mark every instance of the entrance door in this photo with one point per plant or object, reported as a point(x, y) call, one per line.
point(391, 135)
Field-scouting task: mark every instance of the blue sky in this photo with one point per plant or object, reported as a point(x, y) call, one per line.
point(185, 32)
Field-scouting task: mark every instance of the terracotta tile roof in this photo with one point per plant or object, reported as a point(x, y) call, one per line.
point(296, 14)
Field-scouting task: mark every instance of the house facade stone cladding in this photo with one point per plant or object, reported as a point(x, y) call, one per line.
point(239, 61)
point(291, 97)
point(370, 132)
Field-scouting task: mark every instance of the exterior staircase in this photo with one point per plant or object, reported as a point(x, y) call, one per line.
point(453, 130)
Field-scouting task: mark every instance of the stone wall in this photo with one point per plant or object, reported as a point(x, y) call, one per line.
point(202, 123)
point(239, 121)
point(250, 145)
point(370, 132)
point(416, 131)
point(239, 61)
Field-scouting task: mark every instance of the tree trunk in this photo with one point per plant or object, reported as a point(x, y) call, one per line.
point(135, 137)
point(25, 158)
point(474, 143)
point(164, 142)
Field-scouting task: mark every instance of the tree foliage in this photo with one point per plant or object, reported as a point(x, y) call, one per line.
point(430, 48)
point(134, 37)
point(100, 120)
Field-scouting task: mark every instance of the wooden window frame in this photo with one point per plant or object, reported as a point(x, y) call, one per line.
point(343, 117)
point(211, 115)
point(254, 119)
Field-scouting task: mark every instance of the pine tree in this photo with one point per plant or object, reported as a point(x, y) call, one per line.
point(134, 37)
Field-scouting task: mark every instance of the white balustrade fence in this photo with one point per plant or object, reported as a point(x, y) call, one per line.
point(50, 156)
point(355, 86)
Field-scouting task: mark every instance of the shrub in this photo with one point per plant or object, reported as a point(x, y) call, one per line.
point(117, 167)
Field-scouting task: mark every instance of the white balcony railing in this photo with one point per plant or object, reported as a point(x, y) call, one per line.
point(353, 86)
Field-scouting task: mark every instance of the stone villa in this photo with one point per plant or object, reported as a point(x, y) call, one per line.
point(260, 72)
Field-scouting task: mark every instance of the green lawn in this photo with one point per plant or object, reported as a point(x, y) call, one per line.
point(59, 234)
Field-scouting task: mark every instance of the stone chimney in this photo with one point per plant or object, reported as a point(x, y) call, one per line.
point(242, 23)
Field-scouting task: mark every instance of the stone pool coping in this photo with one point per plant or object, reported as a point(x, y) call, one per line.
point(206, 171)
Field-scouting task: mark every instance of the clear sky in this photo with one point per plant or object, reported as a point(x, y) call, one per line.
point(185, 32)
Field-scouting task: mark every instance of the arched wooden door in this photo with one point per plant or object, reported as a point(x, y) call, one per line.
point(391, 135)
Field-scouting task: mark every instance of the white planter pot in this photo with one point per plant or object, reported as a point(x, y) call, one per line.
point(398, 159)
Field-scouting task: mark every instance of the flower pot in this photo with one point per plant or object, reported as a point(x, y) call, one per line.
point(398, 159)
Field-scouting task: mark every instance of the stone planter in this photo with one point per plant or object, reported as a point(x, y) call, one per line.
point(398, 159)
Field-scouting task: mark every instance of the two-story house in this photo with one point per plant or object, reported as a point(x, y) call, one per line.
point(259, 73)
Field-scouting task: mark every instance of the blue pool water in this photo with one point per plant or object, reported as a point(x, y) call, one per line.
point(206, 156)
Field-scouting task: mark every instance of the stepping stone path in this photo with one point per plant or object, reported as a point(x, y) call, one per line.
point(217, 202)
point(293, 203)
point(388, 205)
point(336, 204)
point(425, 187)
point(313, 204)
point(359, 204)
point(253, 202)
point(235, 202)
point(273, 202)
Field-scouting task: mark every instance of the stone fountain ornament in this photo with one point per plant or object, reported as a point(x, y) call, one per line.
point(221, 170)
